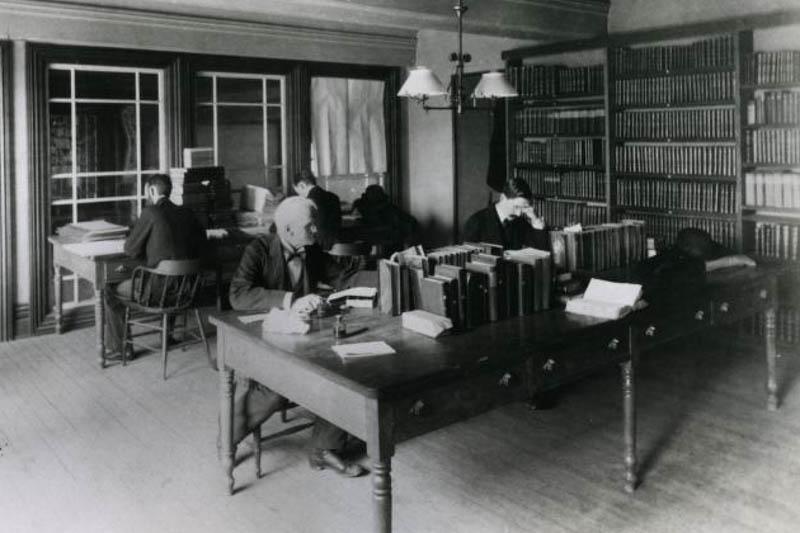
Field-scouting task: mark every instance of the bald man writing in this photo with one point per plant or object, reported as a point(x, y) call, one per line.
point(283, 270)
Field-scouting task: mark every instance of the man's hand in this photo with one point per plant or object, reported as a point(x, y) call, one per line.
point(305, 305)
point(530, 214)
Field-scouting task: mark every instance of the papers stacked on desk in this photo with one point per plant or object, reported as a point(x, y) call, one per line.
point(93, 230)
point(362, 349)
point(606, 299)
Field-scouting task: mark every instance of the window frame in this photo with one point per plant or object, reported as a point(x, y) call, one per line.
point(7, 271)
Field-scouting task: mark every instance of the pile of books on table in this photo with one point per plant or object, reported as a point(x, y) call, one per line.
point(92, 230)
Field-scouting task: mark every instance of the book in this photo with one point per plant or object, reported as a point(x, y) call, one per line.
point(606, 299)
point(426, 323)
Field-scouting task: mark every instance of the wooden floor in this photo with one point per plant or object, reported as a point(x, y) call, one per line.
point(120, 450)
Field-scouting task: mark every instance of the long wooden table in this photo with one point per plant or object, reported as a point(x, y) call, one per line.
point(430, 383)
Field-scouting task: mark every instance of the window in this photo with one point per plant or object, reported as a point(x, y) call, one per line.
point(243, 118)
point(348, 147)
point(106, 134)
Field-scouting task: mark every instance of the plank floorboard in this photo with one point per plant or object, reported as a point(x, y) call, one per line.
point(120, 450)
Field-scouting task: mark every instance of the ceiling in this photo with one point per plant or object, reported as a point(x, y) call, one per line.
point(523, 19)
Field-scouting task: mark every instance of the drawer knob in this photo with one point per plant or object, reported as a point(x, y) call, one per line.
point(549, 365)
point(506, 379)
point(613, 344)
point(700, 315)
point(418, 409)
point(763, 294)
point(724, 306)
point(650, 331)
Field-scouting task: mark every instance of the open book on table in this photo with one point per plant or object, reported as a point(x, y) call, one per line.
point(606, 299)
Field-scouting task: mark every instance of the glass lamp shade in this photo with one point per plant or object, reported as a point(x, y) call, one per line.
point(494, 85)
point(421, 82)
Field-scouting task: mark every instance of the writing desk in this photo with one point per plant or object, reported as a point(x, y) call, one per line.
point(430, 383)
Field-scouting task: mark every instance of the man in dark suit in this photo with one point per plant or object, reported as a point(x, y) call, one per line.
point(511, 222)
point(163, 231)
point(283, 270)
point(329, 208)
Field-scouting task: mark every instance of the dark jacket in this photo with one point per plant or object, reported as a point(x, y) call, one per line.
point(165, 231)
point(329, 210)
point(261, 281)
point(485, 226)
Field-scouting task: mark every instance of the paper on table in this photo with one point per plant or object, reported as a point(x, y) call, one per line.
point(611, 292)
point(97, 225)
point(216, 233)
point(362, 349)
point(97, 248)
point(249, 319)
point(354, 292)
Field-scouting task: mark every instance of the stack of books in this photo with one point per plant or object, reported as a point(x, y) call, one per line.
point(92, 230)
point(596, 248)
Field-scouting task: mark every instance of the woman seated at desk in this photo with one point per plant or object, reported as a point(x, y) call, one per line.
point(511, 222)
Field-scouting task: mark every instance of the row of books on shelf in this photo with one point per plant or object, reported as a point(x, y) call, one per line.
point(561, 213)
point(530, 121)
point(470, 283)
point(685, 89)
point(588, 152)
point(778, 241)
point(691, 159)
point(541, 81)
point(664, 228)
point(710, 123)
point(688, 195)
point(770, 68)
point(588, 184)
point(774, 107)
point(787, 325)
point(708, 53)
point(772, 146)
point(599, 247)
point(772, 189)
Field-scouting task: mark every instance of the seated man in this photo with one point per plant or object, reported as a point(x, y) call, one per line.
point(511, 222)
point(283, 270)
point(329, 209)
point(163, 231)
point(379, 213)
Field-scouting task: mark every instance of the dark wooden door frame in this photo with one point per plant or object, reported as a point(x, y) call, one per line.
point(7, 278)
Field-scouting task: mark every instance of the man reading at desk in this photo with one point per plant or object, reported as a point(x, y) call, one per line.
point(163, 231)
point(284, 270)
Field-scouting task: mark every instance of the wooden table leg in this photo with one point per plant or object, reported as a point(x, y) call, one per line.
point(57, 305)
point(382, 494)
point(99, 324)
point(629, 408)
point(227, 389)
point(772, 354)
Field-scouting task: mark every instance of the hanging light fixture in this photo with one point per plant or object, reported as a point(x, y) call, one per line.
point(422, 83)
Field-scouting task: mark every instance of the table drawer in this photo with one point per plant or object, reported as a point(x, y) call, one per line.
point(577, 359)
point(732, 306)
point(435, 408)
point(669, 324)
point(116, 270)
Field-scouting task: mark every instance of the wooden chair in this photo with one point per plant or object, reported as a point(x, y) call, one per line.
point(159, 295)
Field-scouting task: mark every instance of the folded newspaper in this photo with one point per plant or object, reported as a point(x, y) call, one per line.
point(606, 299)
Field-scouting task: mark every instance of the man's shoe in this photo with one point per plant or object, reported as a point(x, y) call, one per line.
point(322, 459)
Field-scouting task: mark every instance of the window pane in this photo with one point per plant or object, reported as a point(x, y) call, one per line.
point(106, 85)
point(60, 188)
point(149, 137)
point(275, 179)
point(118, 212)
point(202, 89)
point(247, 176)
point(274, 137)
point(60, 215)
point(273, 91)
point(106, 186)
point(240, 137)
point(59, 84)
point(203, 126)
point(148, 86)
point(60, 139)
point(106, 137)
point(239, 90)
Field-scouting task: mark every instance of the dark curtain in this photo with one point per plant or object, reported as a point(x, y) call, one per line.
point(496, 173)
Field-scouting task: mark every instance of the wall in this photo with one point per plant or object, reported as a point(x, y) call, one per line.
point(430, 185)
point(629, 15)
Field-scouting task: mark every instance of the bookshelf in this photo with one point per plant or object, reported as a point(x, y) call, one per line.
point(558, 139)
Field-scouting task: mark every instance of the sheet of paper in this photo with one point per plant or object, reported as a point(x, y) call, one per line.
point(354, 292)
point(97, 248)
point(362, 349)
point(617, 293)
point(249, 319)
point(216, 233)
